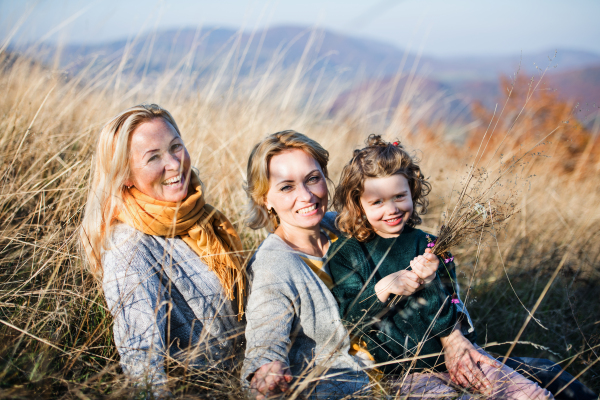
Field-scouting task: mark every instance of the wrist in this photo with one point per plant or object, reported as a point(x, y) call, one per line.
point(455, 335)
point(381, 292)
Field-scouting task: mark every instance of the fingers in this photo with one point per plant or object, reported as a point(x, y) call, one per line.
point(479, 381)
point(423, 268)
point(459, 379)
point(271, 378)
point(482, 358)
point(411, 279)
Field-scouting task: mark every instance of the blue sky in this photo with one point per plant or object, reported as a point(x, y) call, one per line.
point(439, 27)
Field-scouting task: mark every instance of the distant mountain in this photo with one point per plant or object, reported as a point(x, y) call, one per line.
point(353, 58)
point(361, 65)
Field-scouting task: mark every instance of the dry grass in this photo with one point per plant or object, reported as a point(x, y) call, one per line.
point(56, 337)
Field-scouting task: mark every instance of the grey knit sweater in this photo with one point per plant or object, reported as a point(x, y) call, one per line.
point(165, 299)
point(293, 317)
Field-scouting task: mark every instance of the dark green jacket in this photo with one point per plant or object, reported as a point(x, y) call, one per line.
point(391, 332)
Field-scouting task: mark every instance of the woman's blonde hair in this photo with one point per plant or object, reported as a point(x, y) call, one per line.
point(379, 159)
point(257, 185)
point(111, 170)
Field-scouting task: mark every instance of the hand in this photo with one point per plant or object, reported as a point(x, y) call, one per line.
point(463, 360)
point(403, 283)
point(425, 266)
point(271, 378)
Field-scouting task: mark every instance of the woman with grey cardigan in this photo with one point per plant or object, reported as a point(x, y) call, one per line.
point(167, 259)
point(295, 339)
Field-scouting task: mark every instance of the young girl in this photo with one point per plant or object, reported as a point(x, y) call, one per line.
point(388, 286)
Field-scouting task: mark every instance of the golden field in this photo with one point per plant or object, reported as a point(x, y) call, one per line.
point(56, 333)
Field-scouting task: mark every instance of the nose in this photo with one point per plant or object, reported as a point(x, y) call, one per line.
point(172, 162)
point(304, 193)
point(392, 208)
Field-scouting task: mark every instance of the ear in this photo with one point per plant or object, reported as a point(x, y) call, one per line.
point(128, 182)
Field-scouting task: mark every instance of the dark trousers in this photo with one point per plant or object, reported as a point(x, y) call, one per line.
point(543, 371)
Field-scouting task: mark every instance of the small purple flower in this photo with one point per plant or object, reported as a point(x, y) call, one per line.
point(455, 299)
point(431, 244)
point(449, 260)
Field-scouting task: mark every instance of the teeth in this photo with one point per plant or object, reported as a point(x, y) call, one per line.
point(308, 209)
point(173, 180)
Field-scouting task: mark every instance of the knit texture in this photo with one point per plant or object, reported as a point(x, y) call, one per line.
point(411, 327)
point(163, 298)
point(292, 317)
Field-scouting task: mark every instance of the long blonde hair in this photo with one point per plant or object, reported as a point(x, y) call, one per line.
point(257, 184)
point(110, 171)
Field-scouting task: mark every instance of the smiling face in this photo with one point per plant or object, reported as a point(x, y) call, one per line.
point(388, 204)
point(160, 163)
point(297, 190)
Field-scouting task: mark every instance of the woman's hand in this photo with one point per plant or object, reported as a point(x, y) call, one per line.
point(463, 360)
point(425, 266)
point(271, 378)
point(403, 283)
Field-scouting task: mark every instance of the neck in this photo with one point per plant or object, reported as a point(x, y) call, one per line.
point(305, 240)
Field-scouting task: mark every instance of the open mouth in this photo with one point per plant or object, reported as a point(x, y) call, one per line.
point(308, 210)
point(173, 181)
point(393, 221)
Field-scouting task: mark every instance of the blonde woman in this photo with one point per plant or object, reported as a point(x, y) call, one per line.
point(295, 338)
point(169, 262)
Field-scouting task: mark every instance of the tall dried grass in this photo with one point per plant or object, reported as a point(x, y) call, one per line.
point(55, 328)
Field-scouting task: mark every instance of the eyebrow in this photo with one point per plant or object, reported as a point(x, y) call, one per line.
point(149, 151)
point(379, 198)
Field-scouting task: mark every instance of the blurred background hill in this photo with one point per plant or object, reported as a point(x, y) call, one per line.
point(357, 64)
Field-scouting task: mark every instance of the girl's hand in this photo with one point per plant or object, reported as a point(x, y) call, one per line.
point(403, 283)
point(463, 360)
point(425, 266)
point(271, 378)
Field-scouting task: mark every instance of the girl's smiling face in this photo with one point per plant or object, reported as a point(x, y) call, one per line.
point(160, 163)
point(388, 204)
point(297, 189)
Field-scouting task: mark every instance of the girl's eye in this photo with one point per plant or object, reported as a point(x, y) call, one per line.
point(377, 202)
point(400, 197)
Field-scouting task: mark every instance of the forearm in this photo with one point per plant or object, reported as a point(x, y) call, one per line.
point(269, 316)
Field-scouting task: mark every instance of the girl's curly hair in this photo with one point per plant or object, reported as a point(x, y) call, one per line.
point(379, 159)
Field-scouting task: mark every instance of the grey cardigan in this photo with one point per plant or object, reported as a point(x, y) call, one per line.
point(163, 298)
point(293, 317)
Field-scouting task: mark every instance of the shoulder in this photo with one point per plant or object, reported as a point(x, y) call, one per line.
point(126, 247)
point(345, 245)
point(328, 222)
point(272, 254)
point(346, 253)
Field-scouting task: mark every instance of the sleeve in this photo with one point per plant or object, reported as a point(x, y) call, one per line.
point(138, 302)
point(270, 313)
point(354, 287)
point(447, 274)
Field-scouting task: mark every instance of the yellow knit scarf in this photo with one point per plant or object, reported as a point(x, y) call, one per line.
point(204, 228)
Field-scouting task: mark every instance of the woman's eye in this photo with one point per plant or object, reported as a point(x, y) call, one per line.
point(286, 188)
point(153, 158)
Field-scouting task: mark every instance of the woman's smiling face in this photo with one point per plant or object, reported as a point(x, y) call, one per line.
point(160, 163)
point(297, 189)
point(388, 204)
